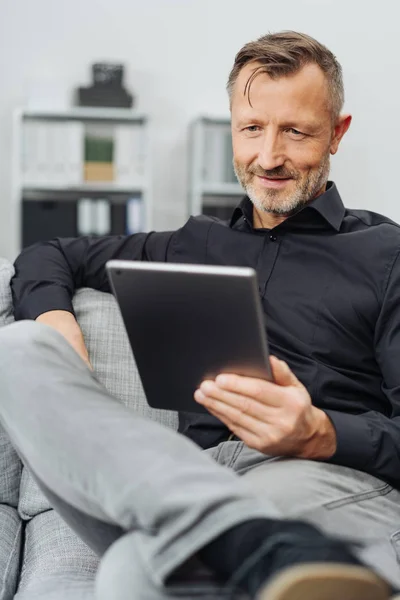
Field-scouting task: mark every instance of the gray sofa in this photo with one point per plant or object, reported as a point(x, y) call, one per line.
point(40, 557)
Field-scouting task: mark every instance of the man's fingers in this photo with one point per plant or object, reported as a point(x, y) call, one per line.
point(233, 416)
point(243, 404)
point(251, 439)
point(261, 390)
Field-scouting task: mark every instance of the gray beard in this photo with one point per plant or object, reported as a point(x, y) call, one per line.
point(302, 196)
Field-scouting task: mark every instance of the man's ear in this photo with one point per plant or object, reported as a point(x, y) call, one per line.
point(342, 125)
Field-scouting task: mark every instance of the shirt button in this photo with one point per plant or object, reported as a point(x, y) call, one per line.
point(272, 238)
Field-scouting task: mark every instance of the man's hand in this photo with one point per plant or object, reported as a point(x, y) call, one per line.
point(65, 323)
point(275, 418)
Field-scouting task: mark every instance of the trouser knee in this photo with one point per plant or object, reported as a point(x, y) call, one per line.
point(22, 335)
point(29, 340)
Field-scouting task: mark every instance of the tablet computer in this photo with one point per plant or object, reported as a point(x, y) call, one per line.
point(187, 323)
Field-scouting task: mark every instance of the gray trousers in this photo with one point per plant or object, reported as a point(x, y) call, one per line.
point(146, 498)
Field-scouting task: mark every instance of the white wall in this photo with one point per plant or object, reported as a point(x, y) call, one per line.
point(178, 55)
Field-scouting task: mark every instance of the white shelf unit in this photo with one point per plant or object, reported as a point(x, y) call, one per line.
point(117, 192)
point(212, 186)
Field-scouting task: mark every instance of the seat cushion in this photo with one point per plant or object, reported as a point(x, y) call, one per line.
point(31, 499)
point(53, 587)
point(10, 550)
point(57, 565)
point(10, 464)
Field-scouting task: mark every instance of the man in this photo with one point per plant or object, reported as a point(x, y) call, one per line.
point(319, 447)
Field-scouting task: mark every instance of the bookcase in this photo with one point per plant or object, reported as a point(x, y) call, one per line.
point(84, 171)
point(213, 187)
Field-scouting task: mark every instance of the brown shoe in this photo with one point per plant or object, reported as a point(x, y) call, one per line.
point(329, 581)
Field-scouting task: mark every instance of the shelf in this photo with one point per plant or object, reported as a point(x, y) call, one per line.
point(121, 115)
point(111, 188)
point(49, 199)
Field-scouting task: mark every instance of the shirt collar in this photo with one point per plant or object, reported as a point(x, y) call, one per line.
point(329, 205)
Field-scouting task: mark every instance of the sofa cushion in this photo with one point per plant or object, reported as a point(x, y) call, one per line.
point(31, 498)
point(10, 550)
point(57, 565)
point(10, 464)
point(6, 310)
point(111, 356)
point(68, 587)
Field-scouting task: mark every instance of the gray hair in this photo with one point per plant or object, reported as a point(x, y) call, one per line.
point(285, 53)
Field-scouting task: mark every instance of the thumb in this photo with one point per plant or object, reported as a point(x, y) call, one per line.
point(282, 373)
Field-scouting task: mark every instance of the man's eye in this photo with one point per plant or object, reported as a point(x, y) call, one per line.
point(252, 128)
point(295, 132)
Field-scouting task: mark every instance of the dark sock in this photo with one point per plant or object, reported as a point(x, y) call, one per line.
point(294, 542)
point(226, 554)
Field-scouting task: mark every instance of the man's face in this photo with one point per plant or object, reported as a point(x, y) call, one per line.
point(282, 142)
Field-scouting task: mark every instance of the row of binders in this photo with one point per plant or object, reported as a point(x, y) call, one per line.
point(53, 153)
point(94, 216)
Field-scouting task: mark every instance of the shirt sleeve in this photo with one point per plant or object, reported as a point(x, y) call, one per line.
point(370, 441)
point(48, 273)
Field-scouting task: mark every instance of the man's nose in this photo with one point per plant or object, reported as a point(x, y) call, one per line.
point(271, 153)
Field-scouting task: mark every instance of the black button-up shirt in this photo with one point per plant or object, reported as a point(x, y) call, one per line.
point(329, 281)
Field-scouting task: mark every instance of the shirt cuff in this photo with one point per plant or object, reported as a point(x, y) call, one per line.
point(354, 447)
point(41, 300)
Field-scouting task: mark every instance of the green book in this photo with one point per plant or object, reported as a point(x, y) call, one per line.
point(98, 149)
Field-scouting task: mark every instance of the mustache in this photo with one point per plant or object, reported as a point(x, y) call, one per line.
point(278, 172)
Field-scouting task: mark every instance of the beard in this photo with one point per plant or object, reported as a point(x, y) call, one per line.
point(282, 202)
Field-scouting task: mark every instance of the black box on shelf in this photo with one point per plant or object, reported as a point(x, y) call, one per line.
point(103, 96)
point(107, 88)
